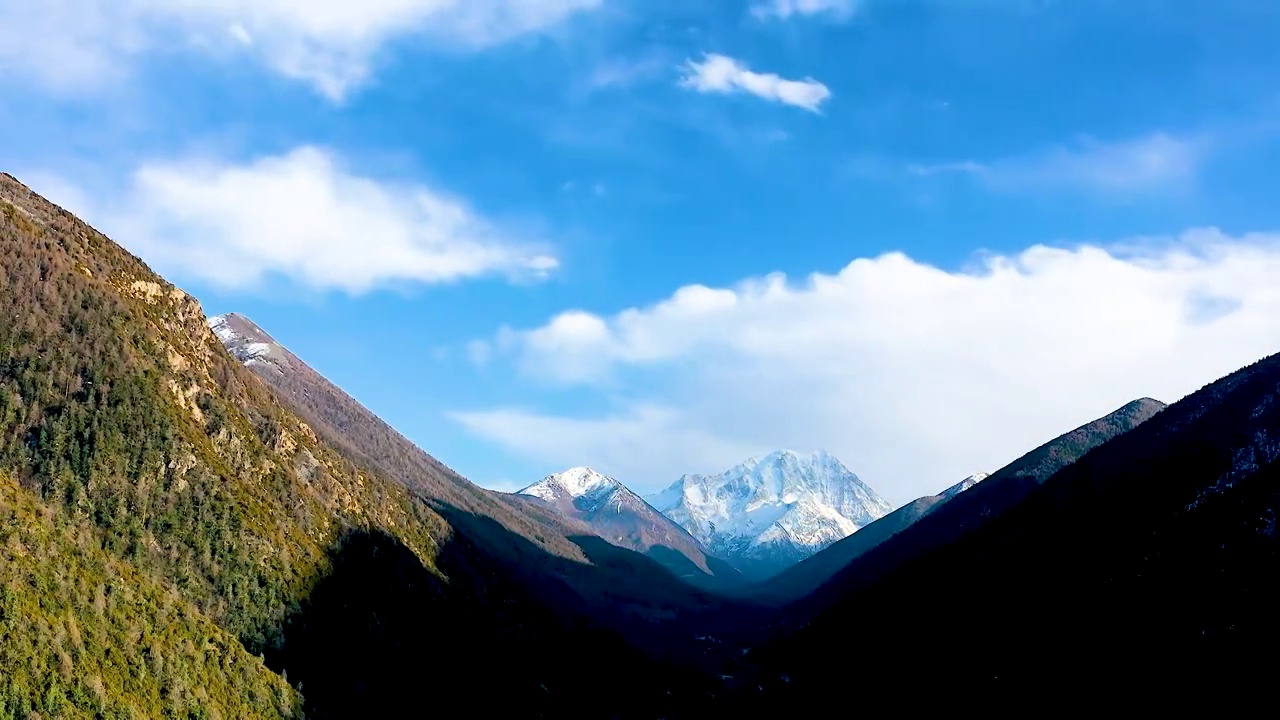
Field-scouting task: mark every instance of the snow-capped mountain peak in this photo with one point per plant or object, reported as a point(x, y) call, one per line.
point(574, 483)
point(623, 518)
point(774, 510)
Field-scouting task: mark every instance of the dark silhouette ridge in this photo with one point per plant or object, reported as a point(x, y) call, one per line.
point(809, 574)
point(1147, 566)
point(941, 524)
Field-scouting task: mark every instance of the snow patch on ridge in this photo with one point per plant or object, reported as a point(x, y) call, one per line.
point(241, 347)
point(963, 485)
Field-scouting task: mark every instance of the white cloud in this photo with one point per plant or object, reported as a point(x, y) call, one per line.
point(1158, 162)
point(78, 45)
point(784, 9)
point(67, 45)
point(303, 216)
point(724, 75)
point(914, 376)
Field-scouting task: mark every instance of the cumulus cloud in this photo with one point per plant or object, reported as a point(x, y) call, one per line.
point(784, 9)
point(1152, 163)
point(74, 45)
point(724, 75)
point(303, 216)
point(913, 375)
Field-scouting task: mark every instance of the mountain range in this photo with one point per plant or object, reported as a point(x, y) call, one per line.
point(195, 523)
point(718, 531)
point(623, 518)
point(771, 512)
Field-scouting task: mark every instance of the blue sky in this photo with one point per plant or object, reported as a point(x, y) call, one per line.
point(658, 236)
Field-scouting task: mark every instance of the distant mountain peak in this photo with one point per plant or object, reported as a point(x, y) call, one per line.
point(575, 482)
point(773, 510)
point(625, 519)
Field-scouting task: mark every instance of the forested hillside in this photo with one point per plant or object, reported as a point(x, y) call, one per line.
point(84, 634)
point(129, 427)
point(117, 406)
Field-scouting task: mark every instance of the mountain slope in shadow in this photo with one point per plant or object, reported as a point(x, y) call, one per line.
point(530, 545)
point(1149, 563)
point(907, 532)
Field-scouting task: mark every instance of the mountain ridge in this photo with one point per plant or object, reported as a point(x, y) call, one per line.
point(1175, 574)
point(963, 485)
point(119, 408)
point(583, 580)
point(363, 433)
point(283, 522)
point(622, 517)
point(809, 574)
point(943, 523)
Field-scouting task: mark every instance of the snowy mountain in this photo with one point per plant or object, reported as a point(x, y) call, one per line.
point(583, 488)
point(771, 512)
point(624, 519)
point(963, 485)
